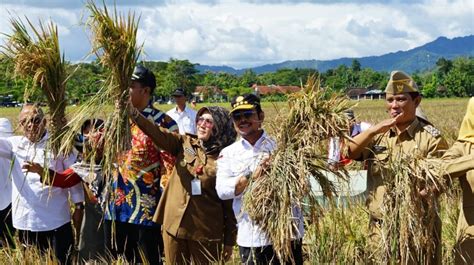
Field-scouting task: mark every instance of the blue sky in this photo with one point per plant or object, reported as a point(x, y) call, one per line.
point(249, 33)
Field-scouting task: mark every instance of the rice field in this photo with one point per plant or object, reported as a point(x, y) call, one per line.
point(340, 236)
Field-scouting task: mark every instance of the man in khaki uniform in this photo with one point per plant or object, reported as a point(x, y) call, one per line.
point(403, 133)
point(460, 164)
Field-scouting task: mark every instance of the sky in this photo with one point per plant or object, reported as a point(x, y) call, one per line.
point(251, 33)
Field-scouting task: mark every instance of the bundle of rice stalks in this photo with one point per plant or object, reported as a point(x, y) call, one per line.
point(114, 42)
point(38, 58)
point(315, 114)
point(411, 228)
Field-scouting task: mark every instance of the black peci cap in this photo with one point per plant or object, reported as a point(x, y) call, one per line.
point(245, 102)
point(178, 92)
point(144, 76)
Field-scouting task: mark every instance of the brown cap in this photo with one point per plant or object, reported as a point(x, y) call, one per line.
point(399, 83)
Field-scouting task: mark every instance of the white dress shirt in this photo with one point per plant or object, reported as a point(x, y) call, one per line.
point(236, 160)
point(5, 182)
point(37, 207)
point(186, 119)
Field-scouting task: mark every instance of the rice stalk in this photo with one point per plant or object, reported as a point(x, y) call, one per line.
point(411, 220)
point(37, 57)
point(114, 42)
point(315, 114)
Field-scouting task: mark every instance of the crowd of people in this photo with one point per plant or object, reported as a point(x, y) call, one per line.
point(176, 196)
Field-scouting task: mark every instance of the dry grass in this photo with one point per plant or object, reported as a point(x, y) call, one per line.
point(114, 42)
point(411, 220)
point(37, 57)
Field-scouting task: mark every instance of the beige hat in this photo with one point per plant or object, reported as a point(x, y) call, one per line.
point(6, 128)
point(400, 82)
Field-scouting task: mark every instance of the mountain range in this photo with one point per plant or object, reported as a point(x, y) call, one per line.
point(417, 59)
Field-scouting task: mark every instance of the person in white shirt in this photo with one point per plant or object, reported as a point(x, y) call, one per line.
point(6, 227)
point(40, 213)
point(184, 116)
point(236, 164)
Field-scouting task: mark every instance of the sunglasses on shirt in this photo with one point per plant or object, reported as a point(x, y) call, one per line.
point(206, 122)
point(236, 116)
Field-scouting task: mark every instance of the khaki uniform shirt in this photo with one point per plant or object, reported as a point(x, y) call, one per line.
point(418, 139)
point(460, 158)
point(202, 217)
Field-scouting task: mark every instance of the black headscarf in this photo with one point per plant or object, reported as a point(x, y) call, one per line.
point(223, 132)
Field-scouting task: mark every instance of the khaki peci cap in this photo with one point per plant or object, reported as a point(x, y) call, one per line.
point(399, 83)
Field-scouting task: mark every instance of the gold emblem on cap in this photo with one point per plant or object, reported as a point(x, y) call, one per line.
point(240, 98)
point(400, 88)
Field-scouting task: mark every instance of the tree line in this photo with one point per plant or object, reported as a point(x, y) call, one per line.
point(449, 78)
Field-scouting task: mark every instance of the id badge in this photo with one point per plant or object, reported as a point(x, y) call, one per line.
point(196, 186)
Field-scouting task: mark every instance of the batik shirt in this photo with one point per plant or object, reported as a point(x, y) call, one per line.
point(135, 190)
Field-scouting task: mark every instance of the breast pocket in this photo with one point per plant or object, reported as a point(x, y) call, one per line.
point(381, 157)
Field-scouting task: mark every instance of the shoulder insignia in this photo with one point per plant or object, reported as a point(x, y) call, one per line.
point(432, 130)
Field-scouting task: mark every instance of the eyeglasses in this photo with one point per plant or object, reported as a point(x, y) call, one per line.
point(236, 116)
point(206, 122)
point(34, 121)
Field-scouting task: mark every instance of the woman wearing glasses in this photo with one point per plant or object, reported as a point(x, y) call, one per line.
point(197, 226)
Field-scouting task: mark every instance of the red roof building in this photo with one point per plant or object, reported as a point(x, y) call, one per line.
point(262, 90)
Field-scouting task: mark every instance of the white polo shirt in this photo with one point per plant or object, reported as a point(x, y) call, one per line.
point(186, 120)
point(37, 207)
point(237, 160)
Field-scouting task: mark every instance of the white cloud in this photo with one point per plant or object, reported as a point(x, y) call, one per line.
point(248, 33)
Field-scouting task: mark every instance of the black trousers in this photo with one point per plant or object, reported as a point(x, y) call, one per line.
point(266, 255)
point(7, 231)
point(59, 239)
point(129, 239)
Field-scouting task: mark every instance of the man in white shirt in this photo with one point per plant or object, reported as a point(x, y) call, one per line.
point(40, 213)
point(235, 165)
point(6, 227)
point(184, 116)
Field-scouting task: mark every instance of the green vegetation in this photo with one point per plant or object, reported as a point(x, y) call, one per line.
point(450, 78)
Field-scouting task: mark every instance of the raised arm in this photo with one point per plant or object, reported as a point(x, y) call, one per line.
point(163, 139)
point(457, 163)
point(360, 142)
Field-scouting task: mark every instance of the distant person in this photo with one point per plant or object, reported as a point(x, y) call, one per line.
point(356, 127)
point(41, 214)
point(184, 116)
point(336, 158)
point(6, 226)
